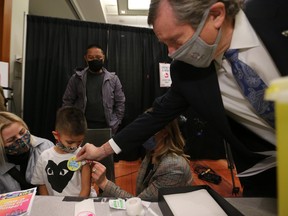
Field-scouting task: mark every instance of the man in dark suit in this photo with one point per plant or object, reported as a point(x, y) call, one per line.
point(203, 79)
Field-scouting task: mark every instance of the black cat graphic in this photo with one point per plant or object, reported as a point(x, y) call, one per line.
point(58, 175)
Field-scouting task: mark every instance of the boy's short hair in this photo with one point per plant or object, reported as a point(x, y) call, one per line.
point(71, 121)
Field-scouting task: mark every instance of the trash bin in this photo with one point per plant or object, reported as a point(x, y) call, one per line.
point(278, 92)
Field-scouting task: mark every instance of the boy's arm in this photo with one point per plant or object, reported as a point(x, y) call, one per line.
point(43, 190)
point(85, 181)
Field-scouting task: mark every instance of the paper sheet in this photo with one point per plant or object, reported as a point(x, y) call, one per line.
point(164, 74)
point(263, 165)
point(198, 203)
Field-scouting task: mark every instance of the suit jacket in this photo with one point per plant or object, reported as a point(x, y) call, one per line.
point(198, 89)
point(270, 21)
point(172, 171)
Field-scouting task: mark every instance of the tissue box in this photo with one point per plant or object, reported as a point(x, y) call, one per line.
point(194, 200)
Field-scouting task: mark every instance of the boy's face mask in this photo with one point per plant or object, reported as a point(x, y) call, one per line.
point(196, 51)
point(20, 145)
point(66, 148)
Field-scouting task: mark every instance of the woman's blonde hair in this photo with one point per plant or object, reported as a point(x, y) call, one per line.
point(6, 119)
point(172, 142)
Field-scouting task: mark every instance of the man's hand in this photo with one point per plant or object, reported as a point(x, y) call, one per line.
point(90, 152)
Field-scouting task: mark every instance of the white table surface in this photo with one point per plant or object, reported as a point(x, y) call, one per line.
point(255, 206)
point(54, 206)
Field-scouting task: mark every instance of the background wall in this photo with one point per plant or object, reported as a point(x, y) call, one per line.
point(19, 9)
point(11, 43)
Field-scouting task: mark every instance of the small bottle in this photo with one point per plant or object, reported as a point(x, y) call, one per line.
point(93, 192)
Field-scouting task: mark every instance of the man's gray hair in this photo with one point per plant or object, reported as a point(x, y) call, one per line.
point(191, 11)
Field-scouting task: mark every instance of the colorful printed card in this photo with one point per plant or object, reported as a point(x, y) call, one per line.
point(17, 202)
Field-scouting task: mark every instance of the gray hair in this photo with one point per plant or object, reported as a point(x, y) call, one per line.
point(191, 11)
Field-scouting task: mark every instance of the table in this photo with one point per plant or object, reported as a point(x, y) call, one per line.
point(54, 206)
point(255, 206)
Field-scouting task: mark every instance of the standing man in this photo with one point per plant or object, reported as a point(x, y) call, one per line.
point(224, 59)
point(97, 92)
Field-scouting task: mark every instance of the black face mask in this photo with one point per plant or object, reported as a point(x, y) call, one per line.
point(95, 65)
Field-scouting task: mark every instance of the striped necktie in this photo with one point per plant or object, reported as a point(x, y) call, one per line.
point(252, 86)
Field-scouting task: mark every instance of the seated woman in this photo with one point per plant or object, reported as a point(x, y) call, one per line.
point(165, 165)
point(19, 151)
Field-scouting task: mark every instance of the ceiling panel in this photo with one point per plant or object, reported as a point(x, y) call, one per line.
point(103, 11)
point(52, 8)
point(137, 21)
point(90, 10)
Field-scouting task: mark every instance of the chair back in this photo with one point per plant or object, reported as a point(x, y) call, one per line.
point(98, 137)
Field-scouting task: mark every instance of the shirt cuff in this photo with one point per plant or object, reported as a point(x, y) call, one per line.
point(114, 146)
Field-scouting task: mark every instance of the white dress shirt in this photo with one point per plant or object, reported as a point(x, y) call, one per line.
point(253, 53)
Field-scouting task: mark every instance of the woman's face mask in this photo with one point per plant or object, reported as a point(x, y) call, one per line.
point(196, 51)
point(20, 145)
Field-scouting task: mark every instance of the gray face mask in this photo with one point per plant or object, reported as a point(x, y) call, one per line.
point(196, 51)
point(65, 148)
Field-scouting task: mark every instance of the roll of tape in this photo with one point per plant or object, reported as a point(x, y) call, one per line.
point(134, 207)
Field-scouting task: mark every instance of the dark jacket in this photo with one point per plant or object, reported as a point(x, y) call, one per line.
point(198, 88)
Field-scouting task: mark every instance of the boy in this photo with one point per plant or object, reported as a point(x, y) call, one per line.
point(53, 173)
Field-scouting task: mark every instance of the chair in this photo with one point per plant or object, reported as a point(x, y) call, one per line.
point(98, 137)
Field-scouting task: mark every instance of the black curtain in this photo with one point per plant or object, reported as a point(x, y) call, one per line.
point(135, 54)
point(55, 47)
